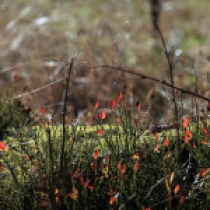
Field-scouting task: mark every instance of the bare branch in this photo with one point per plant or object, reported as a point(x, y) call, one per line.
point(39, 89)
point(143, 76)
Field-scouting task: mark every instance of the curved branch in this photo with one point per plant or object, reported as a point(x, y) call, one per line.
point(143, 76)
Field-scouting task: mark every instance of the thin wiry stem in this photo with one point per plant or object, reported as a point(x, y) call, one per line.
point(39, 89)
point(64, 116)
point(51, 179)
point(171, 72)
point(143, 76)
point(12, 68)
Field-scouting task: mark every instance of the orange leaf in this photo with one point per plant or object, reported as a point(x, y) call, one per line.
point(73, 174)
point(96, 105)
point(204, 142)
point(123, 170)
point(74, 195)
point(188, 136)
point(206, 131)
point(157, 148)
point(100, 131)
point(186, 122)
point(56, 191)
point(28, 157)
point(136, 167)
point(2, 146)
point(43, 124)
point(181, 200)
point(203, 172)
point(86, 184)
point(57, 199)
point(148, 208)
point(176, 189)
point(120, 96)
point(166, 142)
point(103, 115)
point(112, 104)
point(119, 165)
point(189, 133)
point(156, 137)
point(96, 154)
point(42, 111)
point(193, 145)
point(112, 200)
point(117, 119)
point(138, 105)
point(135, 156)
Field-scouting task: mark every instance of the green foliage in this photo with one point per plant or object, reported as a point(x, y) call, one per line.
point(13, 115)
point(122, 167)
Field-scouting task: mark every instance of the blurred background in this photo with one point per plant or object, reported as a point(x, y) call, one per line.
point(39, 38)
